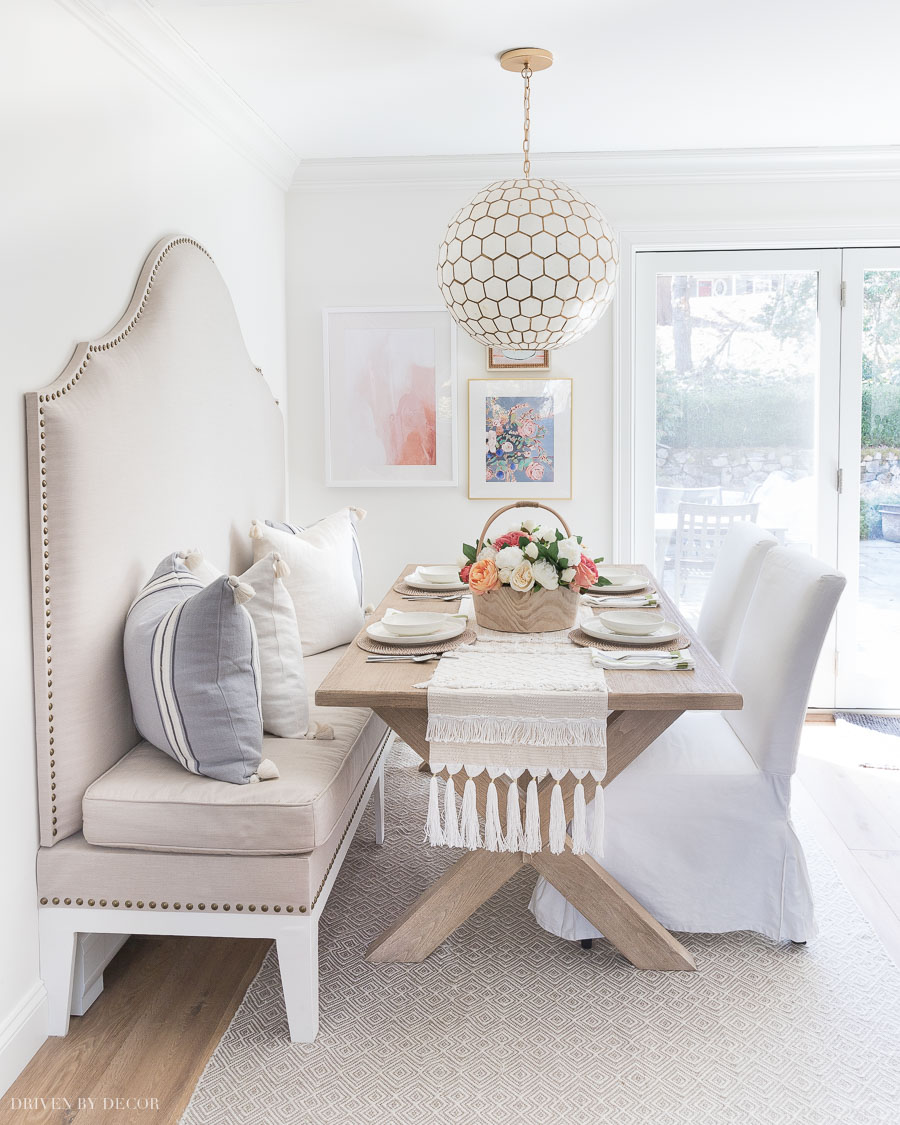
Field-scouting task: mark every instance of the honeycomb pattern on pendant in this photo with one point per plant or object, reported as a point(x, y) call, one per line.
point(527, 263)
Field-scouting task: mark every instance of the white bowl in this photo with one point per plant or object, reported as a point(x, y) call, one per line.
point(441, 574)
point(618, 575)
point(633, 622)
point(413, 624)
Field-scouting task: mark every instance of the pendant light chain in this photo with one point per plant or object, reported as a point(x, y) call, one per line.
point(526, 143)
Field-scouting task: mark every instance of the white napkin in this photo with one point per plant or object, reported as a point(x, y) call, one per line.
point(651, 660)
point(621, 600)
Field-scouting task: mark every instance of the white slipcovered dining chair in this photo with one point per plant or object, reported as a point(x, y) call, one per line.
point(731, 586)
point(698, 827)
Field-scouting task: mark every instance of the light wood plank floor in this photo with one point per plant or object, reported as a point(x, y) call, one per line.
point(165, 1004)
point(167, 1000)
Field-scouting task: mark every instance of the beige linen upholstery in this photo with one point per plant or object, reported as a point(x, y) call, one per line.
point(160, 433)
point(148, 801)
point(75, 873)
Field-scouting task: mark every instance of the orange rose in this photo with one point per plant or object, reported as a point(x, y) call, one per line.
point(483, 576)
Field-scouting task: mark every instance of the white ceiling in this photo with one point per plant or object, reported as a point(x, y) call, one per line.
point(377, 78)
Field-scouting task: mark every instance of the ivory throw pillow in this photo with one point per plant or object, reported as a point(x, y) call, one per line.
point(324, 563)
point(192, 663)
point(285, 702)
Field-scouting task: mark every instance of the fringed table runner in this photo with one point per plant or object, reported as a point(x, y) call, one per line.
point(538, 707)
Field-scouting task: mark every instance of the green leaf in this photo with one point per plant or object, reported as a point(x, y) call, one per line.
point(553, 551)
point(470, 552)
point(601, 581)
point(523, 541)
point(578, 539)
point(559, 535)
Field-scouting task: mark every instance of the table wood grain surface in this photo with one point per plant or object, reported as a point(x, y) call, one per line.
point(354, 683)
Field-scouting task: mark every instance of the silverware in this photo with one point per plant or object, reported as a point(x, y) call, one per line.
point(419, 658)
point(431, 597)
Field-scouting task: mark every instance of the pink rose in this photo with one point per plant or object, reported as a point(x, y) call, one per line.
point(527, 428)
point(585, 573)
point(464, 573)
point(509, 539)
point(535, 471)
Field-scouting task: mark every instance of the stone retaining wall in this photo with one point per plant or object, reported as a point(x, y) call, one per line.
point(743, 469)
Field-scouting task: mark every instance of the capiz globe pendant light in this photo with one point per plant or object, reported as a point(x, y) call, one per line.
point(527, 263)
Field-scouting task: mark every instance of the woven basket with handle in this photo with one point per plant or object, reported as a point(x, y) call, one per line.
point(537, 611)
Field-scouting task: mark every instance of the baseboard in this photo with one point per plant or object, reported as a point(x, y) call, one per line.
point(21, 1034)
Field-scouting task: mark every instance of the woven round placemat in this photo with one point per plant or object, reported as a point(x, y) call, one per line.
point(578, 637)
point(368, 645)
point(403, 587)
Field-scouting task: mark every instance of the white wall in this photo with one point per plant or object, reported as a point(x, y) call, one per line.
point(97, 164)
point(376, 243)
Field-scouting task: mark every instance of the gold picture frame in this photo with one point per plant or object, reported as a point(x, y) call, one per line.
point(506, 359)
point(531, 415)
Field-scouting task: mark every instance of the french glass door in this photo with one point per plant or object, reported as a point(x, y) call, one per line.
point(737, 408)
point(868, 621)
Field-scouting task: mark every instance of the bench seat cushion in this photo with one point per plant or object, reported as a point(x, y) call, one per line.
point(148, 802)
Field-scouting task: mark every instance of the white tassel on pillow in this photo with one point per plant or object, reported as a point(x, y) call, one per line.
point(579, 817)
point(598, 827)
point(433, 833)
point(257, 531)
point(321, 731)
point(282, 570)
point(452, 837)
point(515, 837)
point(242, 592)
point(469, 826)
point(533, 841)
point(266, 771)
point(556, 836)
point(360, 513)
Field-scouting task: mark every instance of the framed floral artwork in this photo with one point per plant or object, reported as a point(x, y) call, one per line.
point(520, 439)
point(505, 359)
point(390, 397)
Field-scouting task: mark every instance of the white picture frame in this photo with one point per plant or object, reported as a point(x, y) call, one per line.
point(390, 397)
point(539, 463)
point(512, 359)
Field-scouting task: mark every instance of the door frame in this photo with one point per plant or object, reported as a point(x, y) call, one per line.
point(856, 260)
point(684, 237)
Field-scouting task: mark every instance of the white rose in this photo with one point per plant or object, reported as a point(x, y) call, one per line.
point(507, 447)
point(509, 557)
point(570, 550)
point(530, 526)
point(461, 561)
point(505, 575)
point(522, 578)
point(487, 553)
point(548, 536)
point(532, 550)
point(545, 573)
point(567, 575)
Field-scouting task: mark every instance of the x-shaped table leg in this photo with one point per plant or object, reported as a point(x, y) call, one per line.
point(475, 878)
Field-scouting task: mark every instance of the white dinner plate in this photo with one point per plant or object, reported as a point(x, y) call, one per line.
point(452, 629)
point(668, 631)
point(415, 579)
point(625, 588)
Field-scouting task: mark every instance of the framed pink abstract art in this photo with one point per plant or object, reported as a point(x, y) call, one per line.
point(390, 397)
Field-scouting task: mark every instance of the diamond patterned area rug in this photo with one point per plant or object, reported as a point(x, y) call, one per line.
point(507, 1025)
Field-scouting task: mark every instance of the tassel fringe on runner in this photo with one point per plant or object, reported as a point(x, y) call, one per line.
point(462, 829)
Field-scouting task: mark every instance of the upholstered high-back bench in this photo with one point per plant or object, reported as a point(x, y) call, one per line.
point(158, 436)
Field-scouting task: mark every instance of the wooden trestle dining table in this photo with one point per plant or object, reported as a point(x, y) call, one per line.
point(642, 705)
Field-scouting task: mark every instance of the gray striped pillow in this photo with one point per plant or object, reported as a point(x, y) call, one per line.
point(193, 673)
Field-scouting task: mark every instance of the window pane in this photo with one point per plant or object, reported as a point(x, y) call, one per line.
point(736, 379)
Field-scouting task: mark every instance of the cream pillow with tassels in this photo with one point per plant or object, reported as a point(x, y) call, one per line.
point(284, 696)
point(323, 582)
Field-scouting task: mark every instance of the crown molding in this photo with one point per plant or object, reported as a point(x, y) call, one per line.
point(607, 169)
point(149, 42)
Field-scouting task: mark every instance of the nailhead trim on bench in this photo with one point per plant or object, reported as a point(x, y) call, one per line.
point(240, 906)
